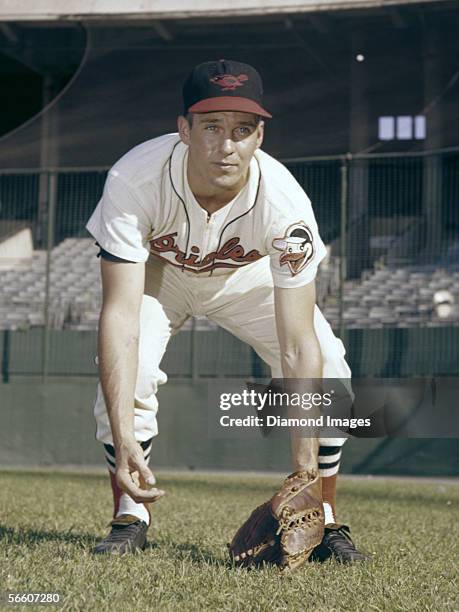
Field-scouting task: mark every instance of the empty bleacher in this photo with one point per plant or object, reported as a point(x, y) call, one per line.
point(395, 297)
point(74, 289)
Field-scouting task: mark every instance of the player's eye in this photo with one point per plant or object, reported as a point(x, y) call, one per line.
point(290, 249)
point(211, 127)
point(302, 247)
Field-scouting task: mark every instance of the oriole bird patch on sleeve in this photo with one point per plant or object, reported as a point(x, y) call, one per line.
point(297, 247)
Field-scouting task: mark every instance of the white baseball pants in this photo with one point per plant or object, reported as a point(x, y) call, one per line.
point(242, 303)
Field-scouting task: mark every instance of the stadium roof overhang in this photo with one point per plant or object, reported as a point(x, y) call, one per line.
point(80, 10)
point(47, 36)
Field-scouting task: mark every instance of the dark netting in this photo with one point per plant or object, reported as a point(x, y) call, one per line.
point(324, 101)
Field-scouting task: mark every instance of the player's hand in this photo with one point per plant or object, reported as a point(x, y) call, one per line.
point(133, 474)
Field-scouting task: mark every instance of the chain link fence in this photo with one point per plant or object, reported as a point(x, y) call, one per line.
point(391, 223)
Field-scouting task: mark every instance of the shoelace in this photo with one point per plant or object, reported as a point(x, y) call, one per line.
point(120, 532)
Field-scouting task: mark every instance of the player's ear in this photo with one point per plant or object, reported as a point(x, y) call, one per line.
point(184, 129)
point(260, 133)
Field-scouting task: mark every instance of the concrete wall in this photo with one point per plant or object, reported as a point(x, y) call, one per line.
point(51, 424)
point(208, 354)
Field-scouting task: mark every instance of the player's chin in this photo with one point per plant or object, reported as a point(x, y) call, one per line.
point(227, 180)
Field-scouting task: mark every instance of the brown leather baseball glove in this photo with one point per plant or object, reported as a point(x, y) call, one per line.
point(284, 530)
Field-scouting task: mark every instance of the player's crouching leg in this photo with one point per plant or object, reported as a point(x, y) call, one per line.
point(336, 542)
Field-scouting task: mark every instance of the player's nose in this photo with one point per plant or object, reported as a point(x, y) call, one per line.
point(227, 144)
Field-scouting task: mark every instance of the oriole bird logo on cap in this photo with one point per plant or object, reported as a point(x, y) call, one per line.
point(229, 82)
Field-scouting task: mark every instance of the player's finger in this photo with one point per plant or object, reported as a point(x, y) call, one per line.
point(137, 462)
point(138, 495)
point(147, 475)
point(141, 467)
point(146, 496)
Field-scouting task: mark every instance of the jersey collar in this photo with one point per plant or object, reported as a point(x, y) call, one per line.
point(239, 206)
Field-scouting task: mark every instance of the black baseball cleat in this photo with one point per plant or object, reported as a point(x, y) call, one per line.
point(128, 534)
point(337, 544)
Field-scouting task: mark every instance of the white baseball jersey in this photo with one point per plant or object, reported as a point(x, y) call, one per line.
point(148, 208)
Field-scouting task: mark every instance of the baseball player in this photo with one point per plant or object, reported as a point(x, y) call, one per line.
point(202, 222)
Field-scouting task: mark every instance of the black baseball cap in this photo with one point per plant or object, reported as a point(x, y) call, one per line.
point(225, 85)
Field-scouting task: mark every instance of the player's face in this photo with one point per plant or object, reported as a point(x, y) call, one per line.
point(221, 145)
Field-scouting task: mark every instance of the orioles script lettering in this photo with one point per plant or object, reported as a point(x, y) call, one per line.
point(230, 255)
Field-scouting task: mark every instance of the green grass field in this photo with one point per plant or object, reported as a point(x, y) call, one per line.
point(49, 522)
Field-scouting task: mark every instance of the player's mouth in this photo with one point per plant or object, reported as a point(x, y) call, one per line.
point(225, 165)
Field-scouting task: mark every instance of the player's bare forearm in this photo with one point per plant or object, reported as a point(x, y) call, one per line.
point(118, 361)
point(301, 356)
point(301, 359)
point(304, 362)
point(123, 286)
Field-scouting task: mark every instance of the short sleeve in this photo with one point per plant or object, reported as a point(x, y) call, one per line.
point(120, 223)
point(295, 248)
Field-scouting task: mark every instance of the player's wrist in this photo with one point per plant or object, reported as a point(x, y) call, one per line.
point(124, 441)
